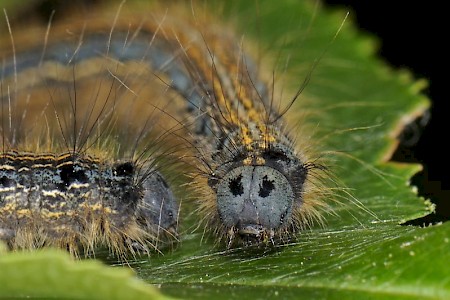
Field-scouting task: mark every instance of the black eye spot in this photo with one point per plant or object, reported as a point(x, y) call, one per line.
point(266, 187)
point(69, 175)
point(235, 186)
point(124, 169)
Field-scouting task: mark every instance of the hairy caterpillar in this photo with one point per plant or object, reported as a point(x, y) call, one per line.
point(77, 172)
point(256, 186)
point(254, 183)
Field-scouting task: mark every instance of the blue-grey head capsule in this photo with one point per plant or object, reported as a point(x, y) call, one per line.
point(256, 200)
point(158, 209)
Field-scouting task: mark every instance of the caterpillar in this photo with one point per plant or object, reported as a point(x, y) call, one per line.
point(254, 184)
point(72, 175)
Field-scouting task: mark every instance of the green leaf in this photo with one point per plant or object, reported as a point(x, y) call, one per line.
point(359, 263)
point(358, 106)
point(53, 274)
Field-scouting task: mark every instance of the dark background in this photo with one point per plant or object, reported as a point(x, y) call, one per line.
point(412, 36)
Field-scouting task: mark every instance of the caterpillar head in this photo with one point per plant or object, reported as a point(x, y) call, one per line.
point(158, 209)
point(256, 202)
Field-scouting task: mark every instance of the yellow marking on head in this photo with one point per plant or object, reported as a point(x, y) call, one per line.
point(260, 161)
point(247, 161)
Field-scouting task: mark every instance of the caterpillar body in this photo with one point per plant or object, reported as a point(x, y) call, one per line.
point(65, 200)
point(253, 184)
point(77, 172)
